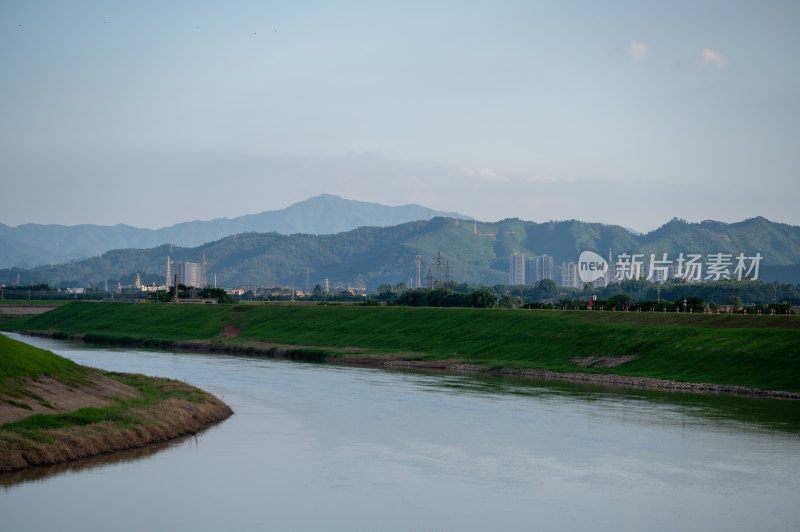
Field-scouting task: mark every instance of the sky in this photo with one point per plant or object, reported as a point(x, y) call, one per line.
point(630, 113)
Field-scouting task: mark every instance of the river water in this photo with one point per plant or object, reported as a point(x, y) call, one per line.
point(320, 447)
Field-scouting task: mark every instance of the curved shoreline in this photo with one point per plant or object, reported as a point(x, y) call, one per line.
point(162, 421)
point(396, 362)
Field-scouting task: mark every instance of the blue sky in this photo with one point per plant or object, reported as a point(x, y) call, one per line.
point(150, 113)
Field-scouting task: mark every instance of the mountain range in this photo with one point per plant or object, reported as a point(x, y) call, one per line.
point(31, 245)
point(470, 251)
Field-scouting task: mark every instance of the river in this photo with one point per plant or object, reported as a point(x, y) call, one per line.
point(322, 447)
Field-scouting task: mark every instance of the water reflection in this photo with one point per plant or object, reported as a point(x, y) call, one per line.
point(739, 411)
point(337, 448)
point(96, 463)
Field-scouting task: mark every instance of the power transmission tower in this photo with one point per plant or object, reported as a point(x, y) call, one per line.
point(439, 265)
point(465, 265)
point(203, 283)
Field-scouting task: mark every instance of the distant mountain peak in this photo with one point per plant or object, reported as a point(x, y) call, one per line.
point(376, 255)
point(34, 244)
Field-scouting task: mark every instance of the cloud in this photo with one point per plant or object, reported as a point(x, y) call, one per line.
point(710, 60)
point(487, 174)
point(541, 179)
point(638, 51)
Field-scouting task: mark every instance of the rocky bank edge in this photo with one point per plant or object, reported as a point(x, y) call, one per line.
point(352, 357)
point(165, 420)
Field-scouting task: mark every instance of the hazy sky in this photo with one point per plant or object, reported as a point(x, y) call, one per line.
point(152, 113)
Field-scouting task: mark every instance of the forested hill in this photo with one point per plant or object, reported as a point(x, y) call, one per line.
point(475, 253)
point(31, 245)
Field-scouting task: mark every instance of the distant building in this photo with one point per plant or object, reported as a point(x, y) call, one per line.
point(153, 288)
point(185, 273)
point(517, 269)
point(530, 270)
point(611, 274)
point(532, 275)
point(602, 281)
point(662, 275)
point(191, 273)
point(546, 267)
point(569, 275)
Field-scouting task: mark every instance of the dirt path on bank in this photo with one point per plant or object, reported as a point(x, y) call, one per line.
point(25, 310)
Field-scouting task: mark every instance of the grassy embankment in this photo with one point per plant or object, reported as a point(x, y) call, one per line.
point(162, 409)
point(753, 351)
point(19, 361)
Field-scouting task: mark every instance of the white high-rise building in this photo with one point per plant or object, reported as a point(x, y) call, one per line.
point(517, 269)
point(546, 267)
point(187, 273)
point(532, 270)
point(569, 275)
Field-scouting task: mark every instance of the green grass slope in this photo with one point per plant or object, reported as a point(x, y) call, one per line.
point(19, 361)
point(163, 409)
point(755, 351)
